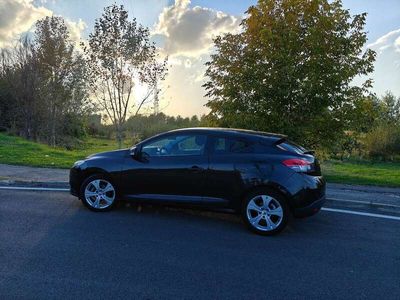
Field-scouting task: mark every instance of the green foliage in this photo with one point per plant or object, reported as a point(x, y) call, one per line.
point(290, 69)
point(42, 85)
point(365, 115)
point(376, 125)
point(390, 109)
point(383, 142)
point(346, 145)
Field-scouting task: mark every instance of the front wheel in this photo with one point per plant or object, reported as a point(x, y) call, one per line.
point(265, 212)
point(98, 193)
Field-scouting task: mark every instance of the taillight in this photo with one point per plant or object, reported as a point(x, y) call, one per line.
point(298, 165)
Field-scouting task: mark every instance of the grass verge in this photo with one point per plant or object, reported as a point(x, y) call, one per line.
point(363, 173)
point(18, 151)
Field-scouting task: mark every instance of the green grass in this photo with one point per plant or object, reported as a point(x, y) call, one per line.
point(363, 173)
point(18, 151)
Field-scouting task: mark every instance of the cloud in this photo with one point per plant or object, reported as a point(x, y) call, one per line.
point(189, 31)
point(389, 41)
point(186, 34)
point(76, 30)
point(16, 17)
point(185, 95)
point(387, 65)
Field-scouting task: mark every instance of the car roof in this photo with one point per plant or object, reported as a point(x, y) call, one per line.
point(273, 137)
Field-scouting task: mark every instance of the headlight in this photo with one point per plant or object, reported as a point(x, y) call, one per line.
point(78, 163)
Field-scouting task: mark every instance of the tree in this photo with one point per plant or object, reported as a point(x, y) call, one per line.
point(19, 89)
point(390, 109)
point(290, 70)
point(63, 75)
point(121, 57)
point(43, 91)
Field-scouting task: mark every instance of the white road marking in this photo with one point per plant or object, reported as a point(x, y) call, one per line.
point(363, 202)
point(359, 213)
point(23, 188)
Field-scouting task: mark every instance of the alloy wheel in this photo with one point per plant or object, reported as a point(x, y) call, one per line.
point(264, 213)
point(99, 194)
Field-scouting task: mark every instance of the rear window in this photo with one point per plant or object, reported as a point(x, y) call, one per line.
point(291, 147)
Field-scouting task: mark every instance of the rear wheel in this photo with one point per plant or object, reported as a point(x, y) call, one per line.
point(98, 193)
point(265, 212)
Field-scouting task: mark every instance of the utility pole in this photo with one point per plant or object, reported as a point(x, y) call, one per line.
point(156, 106)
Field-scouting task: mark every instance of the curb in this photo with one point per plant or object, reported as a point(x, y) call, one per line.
point(363, 188)
point(34, 184)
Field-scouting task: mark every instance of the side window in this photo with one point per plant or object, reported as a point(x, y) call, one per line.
point(231, 145)
point(238, 146)
point(176, 145)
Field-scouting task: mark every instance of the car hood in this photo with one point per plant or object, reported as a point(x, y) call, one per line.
point(113, 154)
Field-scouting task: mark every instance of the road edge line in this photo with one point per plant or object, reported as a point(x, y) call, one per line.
point(359, 213)
point(364, 202)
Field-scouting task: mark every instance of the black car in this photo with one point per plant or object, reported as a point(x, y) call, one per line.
point(262, 176)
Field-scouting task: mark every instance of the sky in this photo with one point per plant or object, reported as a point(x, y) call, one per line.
point(184, 30)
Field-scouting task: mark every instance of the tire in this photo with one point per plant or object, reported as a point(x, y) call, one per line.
point(265, 212)
point(104, 193)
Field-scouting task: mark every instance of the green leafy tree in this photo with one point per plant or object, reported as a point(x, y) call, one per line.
point(63, 76)
point(365, 115)
point(390, 109)
point(121, 57)
point(21, 111)
point(382, 141)
point(290, 70)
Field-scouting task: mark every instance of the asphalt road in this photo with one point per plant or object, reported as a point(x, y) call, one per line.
point(52, 247)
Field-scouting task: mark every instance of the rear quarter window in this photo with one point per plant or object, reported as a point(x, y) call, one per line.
point(224, 145)
point(291, 147)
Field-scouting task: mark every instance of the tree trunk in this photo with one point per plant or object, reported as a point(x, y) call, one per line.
point(119, 135)
point(53, 125)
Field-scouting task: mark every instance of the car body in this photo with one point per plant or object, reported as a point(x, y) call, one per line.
point(208, 167)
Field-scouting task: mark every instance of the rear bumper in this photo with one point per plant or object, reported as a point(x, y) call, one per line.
point(308, 194)
point(309, 210)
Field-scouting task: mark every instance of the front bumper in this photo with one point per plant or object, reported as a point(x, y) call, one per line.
point(75, 179)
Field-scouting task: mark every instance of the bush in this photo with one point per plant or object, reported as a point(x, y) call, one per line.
point(322, 154)
point(383, 142)
point(72, 131)
point(346, 146)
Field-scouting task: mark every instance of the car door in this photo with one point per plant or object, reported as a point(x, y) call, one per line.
point(171, 167)
point(227, 166)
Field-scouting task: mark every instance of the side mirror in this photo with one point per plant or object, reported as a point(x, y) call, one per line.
point(134, 152)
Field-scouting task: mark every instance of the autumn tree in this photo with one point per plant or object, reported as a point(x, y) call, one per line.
point(121, 58)
point(290, 70)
